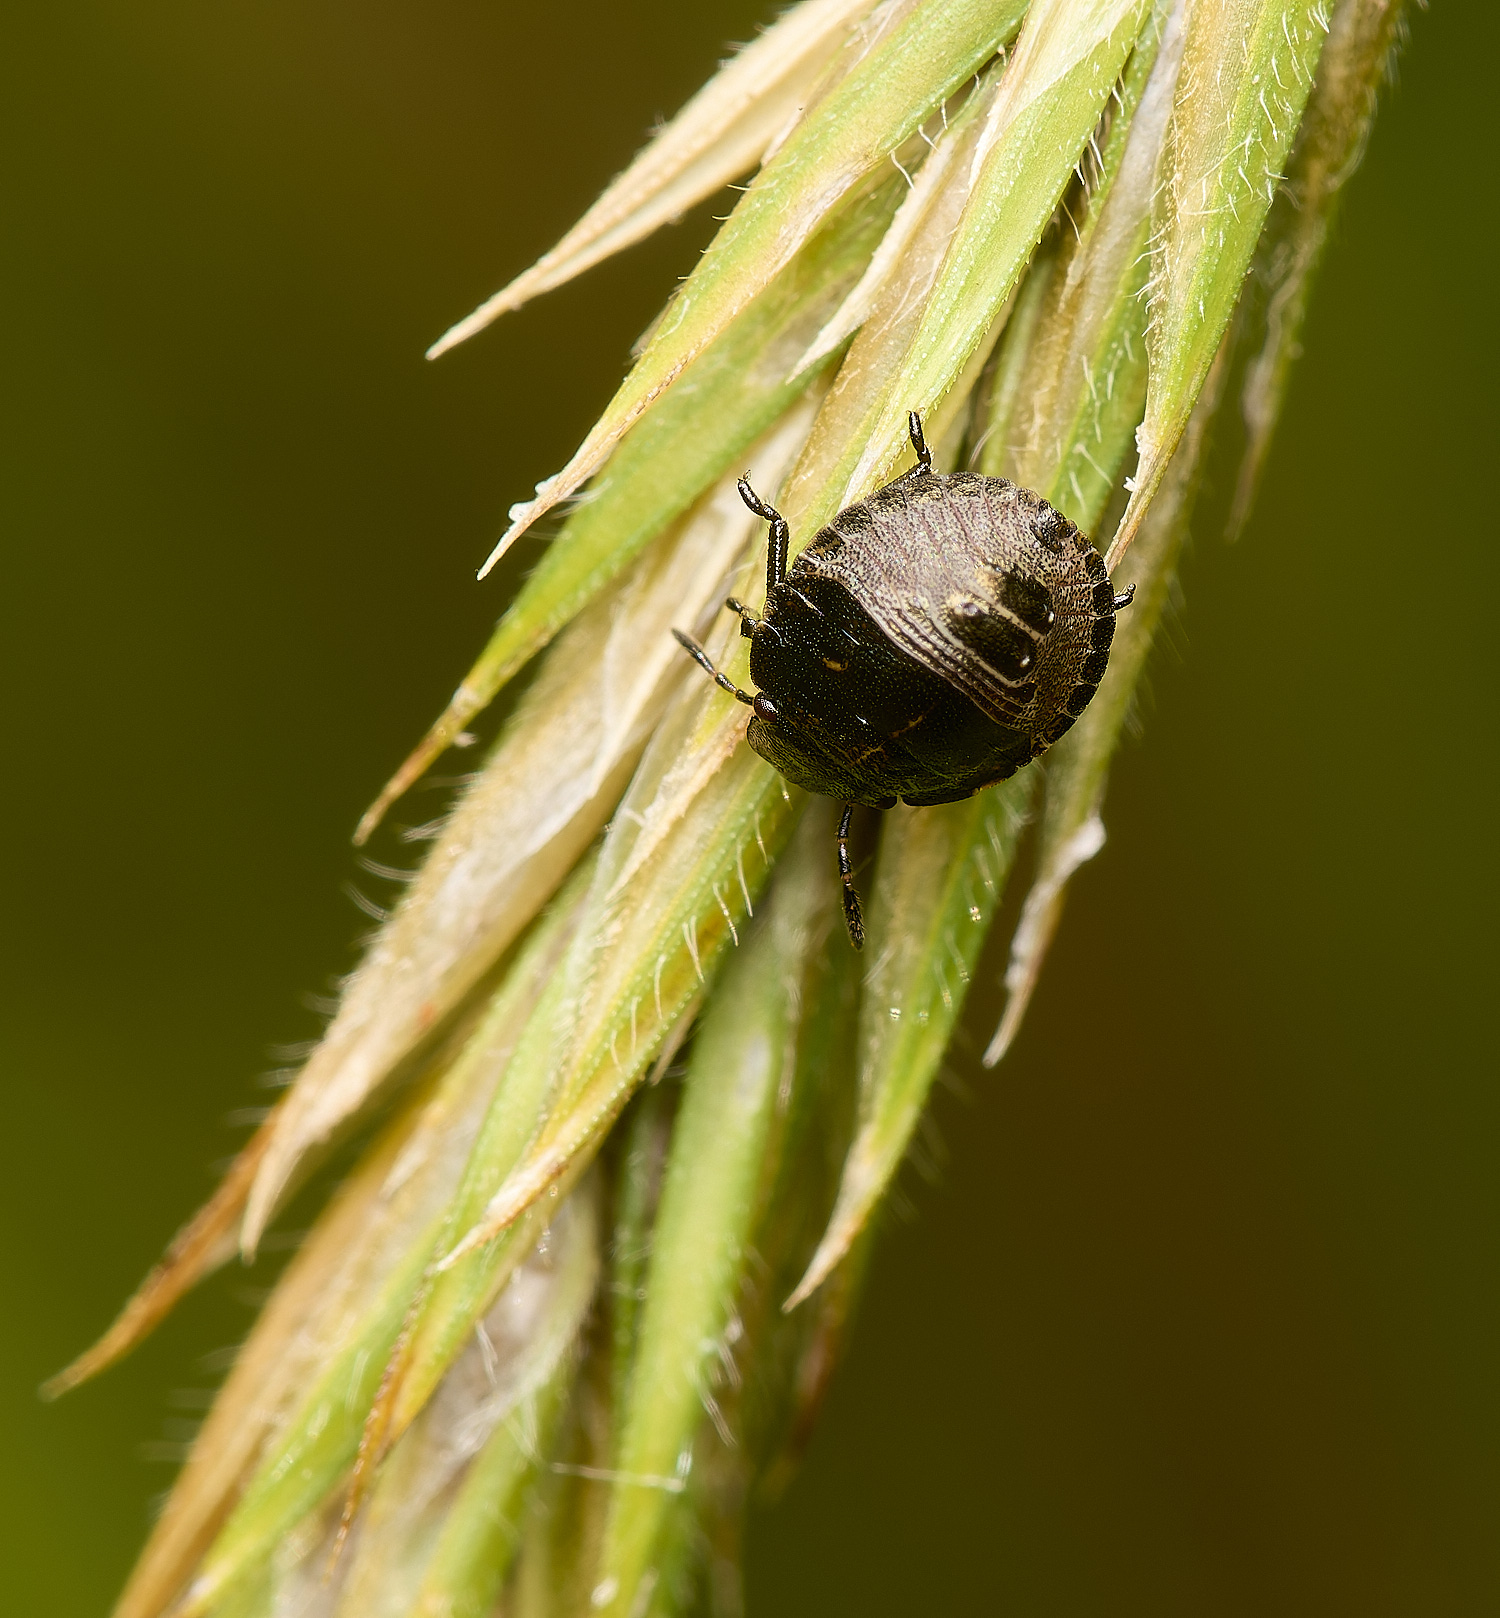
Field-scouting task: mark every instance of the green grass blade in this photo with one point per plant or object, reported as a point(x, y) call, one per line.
point(742, 1056)
point(1080, 369)
point(731, 395)
point(821, 482)
point(319, 1440)
point(1330, 143)
point(430, 1530)
point(1078, 767)
point(951, 147)
point(767, 1379)
point(643, 1159)
point(788, 1360)
point(845, 140)
point(720, 134)
point(327, 1276)
point(1247, 67)
point(453, 1302)
point(654, 945)
point(482, 1527)
point(1065, 64)
point(1072, 407)
point(939, 879)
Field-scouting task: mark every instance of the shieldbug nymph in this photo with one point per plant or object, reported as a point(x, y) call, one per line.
point(932, 640)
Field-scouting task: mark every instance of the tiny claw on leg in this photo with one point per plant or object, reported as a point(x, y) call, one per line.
point(701, 658)
point(755, 503)
point(1125, 597)
point(748, 619)
point(854, 917)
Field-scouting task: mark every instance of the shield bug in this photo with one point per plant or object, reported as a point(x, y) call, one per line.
point(932, 640)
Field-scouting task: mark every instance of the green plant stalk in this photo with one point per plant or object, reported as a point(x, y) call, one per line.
point(760, 1418)
point(758, 1170)
point(772, 1412)
point(743, 1056)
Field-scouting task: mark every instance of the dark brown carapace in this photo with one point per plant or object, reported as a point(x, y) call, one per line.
point(929, 642)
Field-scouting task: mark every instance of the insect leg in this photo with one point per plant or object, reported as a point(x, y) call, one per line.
point(700, 657)
point(854, 918)
point(781, 536)
point(918, 442)
point(748, 620)
point(1125, 597)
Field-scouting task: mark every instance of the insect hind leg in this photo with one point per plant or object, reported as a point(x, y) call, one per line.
point(854, 918)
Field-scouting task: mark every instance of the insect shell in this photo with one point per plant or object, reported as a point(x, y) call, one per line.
point(930, 641)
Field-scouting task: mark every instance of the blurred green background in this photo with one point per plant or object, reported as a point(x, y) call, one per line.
point(1198, 1313)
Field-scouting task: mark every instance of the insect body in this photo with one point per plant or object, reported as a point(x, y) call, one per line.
point(930, 641)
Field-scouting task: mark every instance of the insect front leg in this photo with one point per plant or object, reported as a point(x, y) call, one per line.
point(748, 619)
point(704, 662)
point(780, 540)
